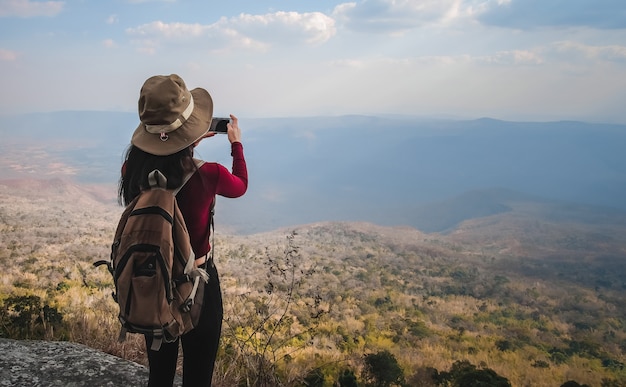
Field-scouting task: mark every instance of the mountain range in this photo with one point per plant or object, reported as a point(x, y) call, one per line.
point(431, 174)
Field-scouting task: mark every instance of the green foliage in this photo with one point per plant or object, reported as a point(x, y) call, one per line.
point(315, 378)
point(606, 382)
point(465, 374)
point(583, 348)
point(558, 356)
point(382, 370)
point(28, 317)
point(481, 378)
point(347, 379)
point(540, 364)
point(613, 364)
point(504, 345)
point(573, 383)
point(418, 328)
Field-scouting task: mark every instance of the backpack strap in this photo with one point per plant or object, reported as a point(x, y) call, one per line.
point(211, 227)
point(161, 181)
point(199, 163)
point(156, 179)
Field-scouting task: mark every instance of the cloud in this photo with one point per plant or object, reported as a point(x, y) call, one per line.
point(350, 63)
point(292, 27)
point(174, 31)
point(109, 43)
point(611, 53)
point(28, 8)
point(8, 55)
point(514, 57)
point(398, 16)
point(255, 32)
point(112, 19)
point(149, 37)
point(528, 14)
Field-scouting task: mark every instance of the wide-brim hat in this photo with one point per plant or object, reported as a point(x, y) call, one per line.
point(172, 117)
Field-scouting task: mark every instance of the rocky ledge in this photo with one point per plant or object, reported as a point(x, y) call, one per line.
point(60, 363)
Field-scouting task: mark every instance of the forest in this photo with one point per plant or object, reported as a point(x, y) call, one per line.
point(512, 300)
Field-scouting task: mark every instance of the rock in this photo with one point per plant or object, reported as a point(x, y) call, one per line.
point(61, 363)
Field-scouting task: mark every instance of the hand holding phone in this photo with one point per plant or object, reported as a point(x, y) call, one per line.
point(234, 133)
point(219, 125)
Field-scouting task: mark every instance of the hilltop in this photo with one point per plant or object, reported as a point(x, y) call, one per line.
point(40, 363)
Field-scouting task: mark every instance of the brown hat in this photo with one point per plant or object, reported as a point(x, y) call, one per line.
point(172, 117)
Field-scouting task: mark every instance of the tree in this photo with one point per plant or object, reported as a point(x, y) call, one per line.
point(504, 345)
point(315, 378)
point(465, 374)
point(481, 378)
point(382, 369)
point(573, 383)
point(28, 317)
point(347, 379)
point(612, 383)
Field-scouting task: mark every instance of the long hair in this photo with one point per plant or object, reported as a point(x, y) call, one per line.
point(138, 164)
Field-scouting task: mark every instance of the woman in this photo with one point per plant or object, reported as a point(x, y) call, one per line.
point(173, 121)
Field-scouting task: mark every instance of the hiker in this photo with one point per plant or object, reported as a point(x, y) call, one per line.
point(173, 121)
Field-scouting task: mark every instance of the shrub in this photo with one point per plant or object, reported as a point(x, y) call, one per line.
point(382, 369)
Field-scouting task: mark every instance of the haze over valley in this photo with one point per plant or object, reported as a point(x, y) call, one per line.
point(427, 173)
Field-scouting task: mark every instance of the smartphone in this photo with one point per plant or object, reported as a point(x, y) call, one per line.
point(218, 125)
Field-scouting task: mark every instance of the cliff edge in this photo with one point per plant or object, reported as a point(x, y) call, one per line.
point(61, 363)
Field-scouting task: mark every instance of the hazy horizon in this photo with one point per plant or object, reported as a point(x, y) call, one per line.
point(385, 170)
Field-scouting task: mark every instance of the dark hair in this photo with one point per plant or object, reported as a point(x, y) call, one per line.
point(138, 164)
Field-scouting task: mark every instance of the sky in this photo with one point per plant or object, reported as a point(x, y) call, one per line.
point(532, 60)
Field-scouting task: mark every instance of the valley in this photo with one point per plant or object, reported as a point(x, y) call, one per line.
point(534, 293)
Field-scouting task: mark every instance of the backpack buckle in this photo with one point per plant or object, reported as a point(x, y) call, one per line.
point(186, 306)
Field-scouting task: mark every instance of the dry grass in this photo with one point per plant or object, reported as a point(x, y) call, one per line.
point(429, 299)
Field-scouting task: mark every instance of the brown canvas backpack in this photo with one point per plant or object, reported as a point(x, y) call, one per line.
point(158, 287)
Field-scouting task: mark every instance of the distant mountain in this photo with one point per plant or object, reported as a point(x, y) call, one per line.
point(426, 173)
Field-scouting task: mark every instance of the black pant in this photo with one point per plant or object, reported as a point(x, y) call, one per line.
point(199, 345)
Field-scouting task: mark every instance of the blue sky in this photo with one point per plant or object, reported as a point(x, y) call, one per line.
point(507, 59)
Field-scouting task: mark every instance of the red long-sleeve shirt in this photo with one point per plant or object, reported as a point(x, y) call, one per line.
point(197, 196)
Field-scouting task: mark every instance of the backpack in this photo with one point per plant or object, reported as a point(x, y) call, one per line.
point(158, 287)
